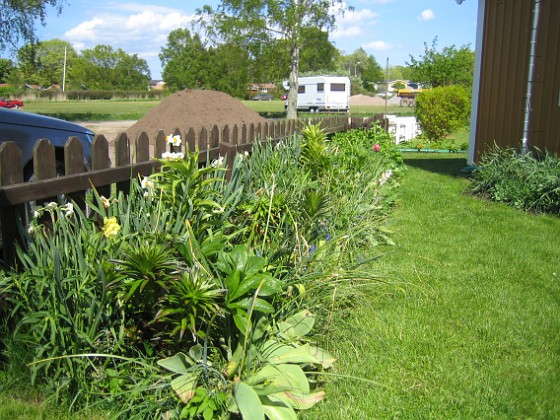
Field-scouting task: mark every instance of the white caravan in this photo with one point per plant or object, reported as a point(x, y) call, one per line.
point(323, 93)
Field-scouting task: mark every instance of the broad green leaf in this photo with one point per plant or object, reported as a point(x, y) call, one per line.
point(287, 376)
point(261, 328)
point(298, 401)
point(179, 363)
point(185, 386)
point(304, 354)
point(248, 402)
point(242, 321)
point(325, 358)
point(278, 412)
point(258, 305)
point(297, 325)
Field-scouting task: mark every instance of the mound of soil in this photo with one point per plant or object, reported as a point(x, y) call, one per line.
point(196, 109)
point(366, 100)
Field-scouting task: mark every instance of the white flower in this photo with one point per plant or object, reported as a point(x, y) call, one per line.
point(52, 205)
point(37, 213)
point(218, 163)
point(174, 140)
point(105, 202)
point(172, 156)
point(69, 208)
point(147, 183)
point(31, 230)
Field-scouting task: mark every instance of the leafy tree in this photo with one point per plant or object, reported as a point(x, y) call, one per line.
point(43, 63)
point(246, 20)
point(400, 73)
point(102, 67)
point(363, 66)
point(451, 66)
point(18, 17)
point(228, 70)
point(6, 69)
point(317, 52)
point(185, 60)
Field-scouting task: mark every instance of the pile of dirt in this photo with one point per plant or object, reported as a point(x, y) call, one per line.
point(366, 100)
point(196, 109)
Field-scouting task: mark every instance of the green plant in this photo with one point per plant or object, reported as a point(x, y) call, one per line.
point(264, 376)
point(528, 181)
point(442, 110)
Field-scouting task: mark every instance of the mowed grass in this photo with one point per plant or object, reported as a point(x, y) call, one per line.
point(472, 327)
point(116, 110)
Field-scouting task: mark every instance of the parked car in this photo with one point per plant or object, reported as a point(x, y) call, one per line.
point(10, 103)
point(25, 129)
point(263, 97)
point(284, 97)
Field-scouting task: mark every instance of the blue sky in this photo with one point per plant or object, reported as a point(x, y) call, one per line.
point(391, 29)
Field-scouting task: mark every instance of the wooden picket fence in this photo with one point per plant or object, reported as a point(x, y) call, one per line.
point(132, 158)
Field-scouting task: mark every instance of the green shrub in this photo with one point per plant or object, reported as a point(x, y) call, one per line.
point(441, 110)
point(528, 181)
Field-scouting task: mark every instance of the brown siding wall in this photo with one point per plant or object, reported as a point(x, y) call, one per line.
point(545, 116)
point(504, 69)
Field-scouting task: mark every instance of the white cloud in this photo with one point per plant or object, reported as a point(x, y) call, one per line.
point(377, 46)
point(346, 32)
point(427, 14)
point(350, 24)
point(145, 27)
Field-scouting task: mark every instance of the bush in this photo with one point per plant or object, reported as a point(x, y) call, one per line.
point(441, 110)
point(526, 181)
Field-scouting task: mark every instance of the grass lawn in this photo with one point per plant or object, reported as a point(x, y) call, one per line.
point(474, 330)
point(115, 110)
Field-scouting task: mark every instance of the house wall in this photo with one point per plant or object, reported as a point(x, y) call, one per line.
point(504, 74)
point(545, 119)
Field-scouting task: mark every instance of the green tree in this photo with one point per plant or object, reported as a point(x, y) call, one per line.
point(7, 69)
point(364, 67)
point(185, 61)
point(317, 52)
point(102, 67)
point(43, 63)
point(242, 20)
point(18, 17)
point(228, 70)
point(451, 66)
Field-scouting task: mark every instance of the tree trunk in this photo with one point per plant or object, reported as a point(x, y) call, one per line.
point(293, 83)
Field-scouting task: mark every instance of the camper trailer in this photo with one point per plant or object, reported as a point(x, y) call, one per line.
point(323, 93)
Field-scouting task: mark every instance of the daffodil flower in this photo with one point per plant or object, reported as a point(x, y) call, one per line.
point(174, 140)
point(111, 227)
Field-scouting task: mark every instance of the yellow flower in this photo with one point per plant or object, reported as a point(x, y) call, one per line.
point(110, 227)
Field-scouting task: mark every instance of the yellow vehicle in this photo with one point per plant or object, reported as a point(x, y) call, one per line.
point(409, 93)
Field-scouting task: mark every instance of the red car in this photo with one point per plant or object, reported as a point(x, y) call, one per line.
point(10, 103)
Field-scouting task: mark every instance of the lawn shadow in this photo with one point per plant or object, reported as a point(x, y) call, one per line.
point(445, 164)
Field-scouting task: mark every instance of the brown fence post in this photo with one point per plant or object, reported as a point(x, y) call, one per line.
point(44, 164)
point(122, 158)
point(74, 164)
point(160, 146)
point(11, 172)
point(142, 147)
point(228, 152)
point(190, 139)
point(100, 160)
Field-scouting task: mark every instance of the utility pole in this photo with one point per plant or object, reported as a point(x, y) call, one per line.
point(64, 71)
point(386, 84)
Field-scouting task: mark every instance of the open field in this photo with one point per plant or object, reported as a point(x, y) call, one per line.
point(116, 110)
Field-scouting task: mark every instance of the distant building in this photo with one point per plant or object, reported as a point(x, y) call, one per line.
point(156, 85)
point(261, 88)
